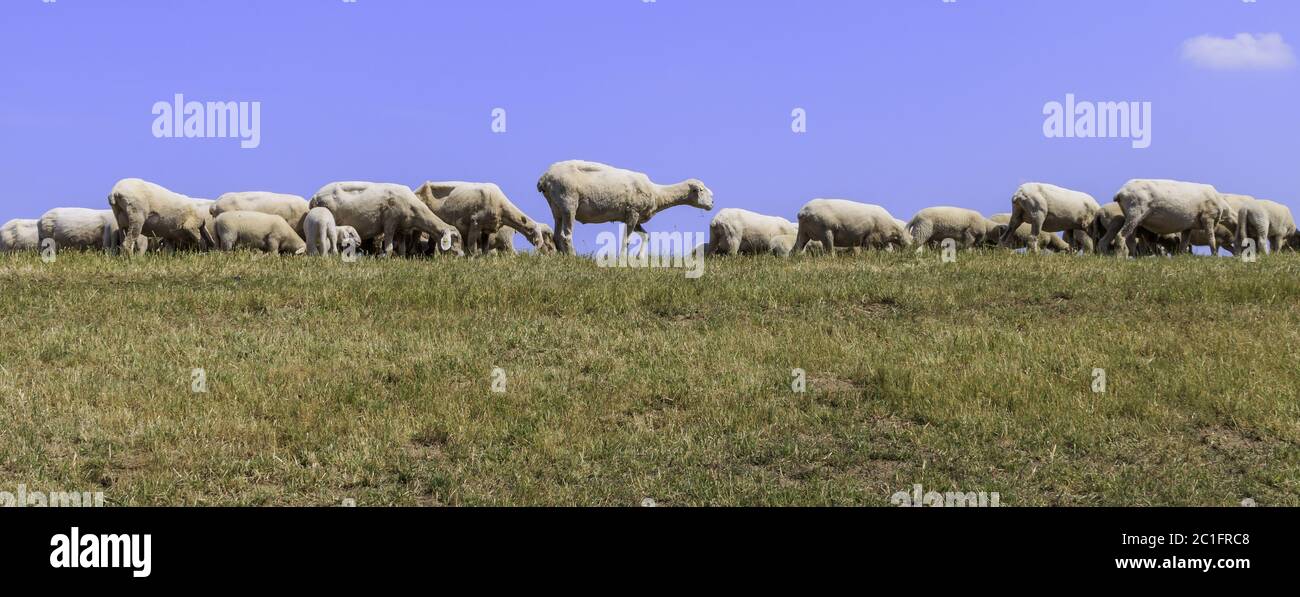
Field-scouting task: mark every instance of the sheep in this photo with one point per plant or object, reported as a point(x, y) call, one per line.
point(932, 225)
point(783, 246)
point(841, 223)
point(142, 207)
point(1049, 208)
point(321, 233)
point(258, 231)
point(390, 210)
point(478, 211)
point(503, 242)
point(593, 193)
point(1021, 237)
point(735, 231)
point(19, 235)
point(77, 228)
point(290, 207)
point(1171, 207)
point(1252, 223)
point(1281, 224)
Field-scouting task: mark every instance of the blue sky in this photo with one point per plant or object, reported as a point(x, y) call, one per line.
point(910, 103)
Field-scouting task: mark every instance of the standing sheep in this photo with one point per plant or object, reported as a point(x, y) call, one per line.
point(290, 207)
point(839, 223)
point(142, 207)
point(257, 231)
point(503, 242)
point(735, 231)
point(593, 193)
point(478, 211)
point(19, 235)
point(932, 225)
point(1281, 224)
point(390, 210)
point(1170, 207)
point(1049, 208)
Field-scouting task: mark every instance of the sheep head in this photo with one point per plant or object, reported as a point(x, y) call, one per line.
point(699, 195)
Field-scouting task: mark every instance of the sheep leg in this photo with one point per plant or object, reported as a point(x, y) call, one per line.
point(828, 242)
point(1035, 229)
point(390, 234)
point(564, 211)
point(645, 240)
point(1132, 221)
point(800, 243)
point(1017, 218)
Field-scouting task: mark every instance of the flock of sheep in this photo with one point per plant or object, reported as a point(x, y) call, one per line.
point(1148, 217)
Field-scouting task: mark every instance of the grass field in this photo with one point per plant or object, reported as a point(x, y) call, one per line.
point(373, 380)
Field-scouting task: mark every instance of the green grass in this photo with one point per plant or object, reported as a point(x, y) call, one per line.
point(372, 380)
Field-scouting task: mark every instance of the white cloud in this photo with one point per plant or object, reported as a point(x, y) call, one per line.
point(1243, 51)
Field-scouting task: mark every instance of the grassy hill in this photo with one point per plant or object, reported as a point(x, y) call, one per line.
point(373, 380)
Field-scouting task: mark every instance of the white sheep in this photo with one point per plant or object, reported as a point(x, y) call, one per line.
point(735, 231)
point(593, 193)
point(840, 223)
point(1022, 236)
point(387, 209)
point(142, 207)
point(478, 211)
point(19, 235)
point(290, 207)
point(258, 231)
point(503, 242)
point(1171, 207)
point(1281, 224)
point(933, 225)
point(1049, 208)
point(78, 228)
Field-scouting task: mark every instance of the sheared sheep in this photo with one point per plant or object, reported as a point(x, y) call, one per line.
point(1171, 207)
point(290, 207)
point(390, 210)
point(593, 193)
point(849, 224)
point(79, 228)
point(736, 231)
point(142, 207)
point(1049, 208)
point(258, 231)
point(478, 211)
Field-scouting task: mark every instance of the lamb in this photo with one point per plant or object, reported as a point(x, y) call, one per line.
point(735, 231)
point(322, 234)
point(142, 207)
point(387, 209)
point(478, 211)
point(1281, 224)
point(849, 224)
point(1049, 208)
point(290, 207)
point(19, 235)
point(1021, 238)
point(503, 242)
point(593, 193)
point(783, 246)
point(932, 225)
point(78, 228)
point(1171, 207)
point(258, 231)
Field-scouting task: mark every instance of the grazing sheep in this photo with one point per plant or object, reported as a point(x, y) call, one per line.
point(142, 207)
point(1170, 207)
point(933, 225)
point(390, 210)
point(503, 242)
point(1252, 223)
point(19, 235)
point(1022, 236)
point(79, 228)
point(735, 231)
point(290, 207)
point(347, 237)
point(258, 231)
point(322, 234)
point(840, 223)
point(593, 193)
point(1281, 224)
point(783, 246)
point(478, 211)
point(1049, 208)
